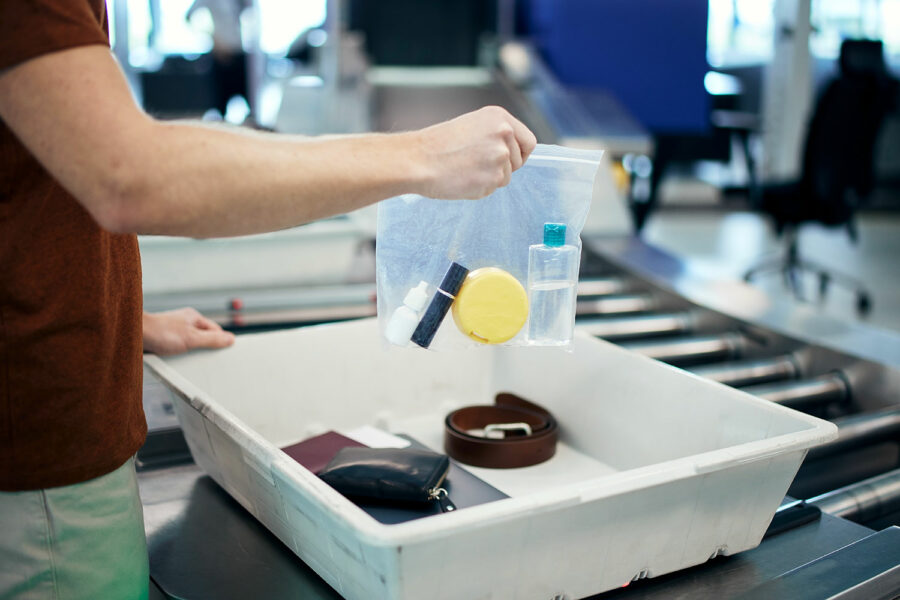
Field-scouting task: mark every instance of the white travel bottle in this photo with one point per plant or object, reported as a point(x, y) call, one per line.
point(403, 322)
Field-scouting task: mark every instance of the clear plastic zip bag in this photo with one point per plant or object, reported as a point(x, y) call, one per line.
point(499, 270)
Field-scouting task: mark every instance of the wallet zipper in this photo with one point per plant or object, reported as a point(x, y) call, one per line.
point(440, 494)
point(443, 499)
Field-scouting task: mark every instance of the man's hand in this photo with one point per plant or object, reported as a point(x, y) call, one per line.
point(472, 155)
point(181, 330)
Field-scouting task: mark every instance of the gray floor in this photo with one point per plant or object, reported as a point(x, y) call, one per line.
point(725, 244)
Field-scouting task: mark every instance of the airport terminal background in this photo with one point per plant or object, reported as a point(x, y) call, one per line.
point(715, 58)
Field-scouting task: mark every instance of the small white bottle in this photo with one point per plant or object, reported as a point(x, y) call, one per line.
point(552, 281)
point(403, 322)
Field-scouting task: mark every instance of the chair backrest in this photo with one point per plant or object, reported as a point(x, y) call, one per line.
point(838, 160)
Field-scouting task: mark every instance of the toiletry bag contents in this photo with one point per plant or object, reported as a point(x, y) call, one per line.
point(505, 266)
point(491, 306)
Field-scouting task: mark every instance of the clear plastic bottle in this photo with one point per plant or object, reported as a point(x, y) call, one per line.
point(552, 281)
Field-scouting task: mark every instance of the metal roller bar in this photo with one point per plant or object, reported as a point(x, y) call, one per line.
point(858, 431)
point(695, 349)
point(808, 393)
point(863, 501)
point(300, 316)
point(751, 372)
point(352, 297)
point(637, 327)
point(616, 304)
point(602, 286)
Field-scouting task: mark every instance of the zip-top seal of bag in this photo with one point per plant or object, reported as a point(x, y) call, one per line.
point(490, 253)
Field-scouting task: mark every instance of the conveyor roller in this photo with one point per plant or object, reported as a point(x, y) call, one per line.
point(858, 431)
point(694, 349)
point(602, 286)
point(616, 304)
point(622, 328)
point(805, 394)
point(865, 500)
point(751, 372)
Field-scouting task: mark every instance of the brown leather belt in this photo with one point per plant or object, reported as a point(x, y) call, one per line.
point(511, 433)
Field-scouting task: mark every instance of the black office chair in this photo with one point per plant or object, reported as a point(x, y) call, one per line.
point(837, 175)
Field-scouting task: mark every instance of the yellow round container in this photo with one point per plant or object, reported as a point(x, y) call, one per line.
point(491, 306)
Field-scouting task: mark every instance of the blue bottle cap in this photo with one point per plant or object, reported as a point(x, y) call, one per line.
point(554, 234)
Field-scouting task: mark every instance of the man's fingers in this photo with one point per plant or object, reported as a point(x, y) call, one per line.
point(506, 175)
point(206, 338)
point(515, 153)
point(524, 138)
point(206, 333)
point(201, 322)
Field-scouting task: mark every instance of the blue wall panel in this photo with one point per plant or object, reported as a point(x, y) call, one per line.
point(650, 53)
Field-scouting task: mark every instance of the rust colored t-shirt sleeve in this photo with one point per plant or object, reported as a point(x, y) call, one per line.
point(30, 28)
point(70, 295)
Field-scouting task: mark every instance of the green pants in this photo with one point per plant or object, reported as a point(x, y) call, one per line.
point(83, 541)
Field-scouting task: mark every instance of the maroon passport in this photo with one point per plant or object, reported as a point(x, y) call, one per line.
point(314, 453)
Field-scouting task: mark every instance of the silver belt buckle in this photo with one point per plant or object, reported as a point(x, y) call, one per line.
point(498, 431)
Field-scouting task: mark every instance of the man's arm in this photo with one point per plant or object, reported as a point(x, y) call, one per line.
point(73, 110)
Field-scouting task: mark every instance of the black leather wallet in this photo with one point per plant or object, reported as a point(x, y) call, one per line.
point(390, 474)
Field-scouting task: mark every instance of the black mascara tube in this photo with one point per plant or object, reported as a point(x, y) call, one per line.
point(439, 305)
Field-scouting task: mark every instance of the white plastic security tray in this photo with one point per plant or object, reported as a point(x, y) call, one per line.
point(657, 469)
